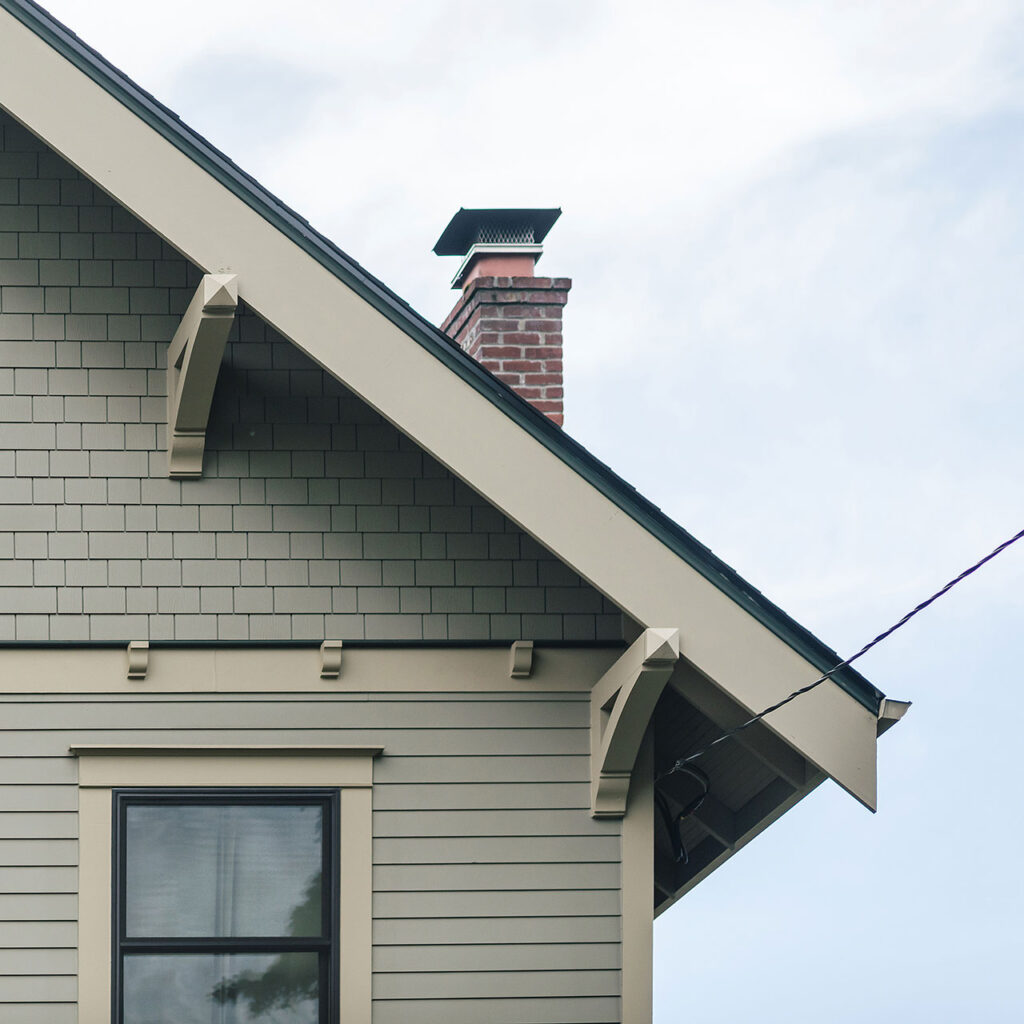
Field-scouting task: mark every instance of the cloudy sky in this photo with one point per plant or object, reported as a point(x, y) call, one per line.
point(795, 232)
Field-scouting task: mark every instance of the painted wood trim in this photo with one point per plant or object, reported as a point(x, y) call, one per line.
point(356, 895)
point(101, 773)
point(360, 346)
point(193, 364)
point(638, 892)
point(298, 670)
point(621, 705)
point(240, 750)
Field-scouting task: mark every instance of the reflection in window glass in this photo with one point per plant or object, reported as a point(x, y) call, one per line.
point(213, 870)
point(239, 988)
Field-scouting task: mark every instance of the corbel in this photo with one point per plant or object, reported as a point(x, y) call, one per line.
point(520, 660)
point(193, 362)
point(621, 705)
point(138, 659)
point(330, 659)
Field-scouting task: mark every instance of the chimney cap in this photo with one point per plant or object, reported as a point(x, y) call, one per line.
point(514, 226)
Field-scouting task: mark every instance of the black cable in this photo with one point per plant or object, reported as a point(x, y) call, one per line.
point(685, 762)
point(672, 822)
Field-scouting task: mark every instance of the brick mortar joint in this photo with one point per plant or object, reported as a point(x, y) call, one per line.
point(504, 288)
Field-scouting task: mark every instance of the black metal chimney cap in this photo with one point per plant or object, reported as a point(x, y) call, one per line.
point(518, 226)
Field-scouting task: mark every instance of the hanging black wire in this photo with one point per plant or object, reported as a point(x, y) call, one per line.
point(685, 763)
point(673, 822)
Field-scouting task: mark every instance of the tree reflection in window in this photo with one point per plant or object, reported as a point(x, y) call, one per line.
point(287, 981)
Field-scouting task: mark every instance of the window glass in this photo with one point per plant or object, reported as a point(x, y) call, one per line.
point(226, 906)
point(215, 870)
point(222, 989)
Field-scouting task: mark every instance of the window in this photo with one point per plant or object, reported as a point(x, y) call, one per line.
point(225, 906)
point(198, 831)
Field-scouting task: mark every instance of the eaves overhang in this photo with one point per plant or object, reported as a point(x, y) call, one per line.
point(164, 121)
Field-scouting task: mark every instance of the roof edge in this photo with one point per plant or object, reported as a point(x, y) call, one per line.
point(164, 121)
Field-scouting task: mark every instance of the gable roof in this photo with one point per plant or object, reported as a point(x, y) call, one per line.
point(834, 727)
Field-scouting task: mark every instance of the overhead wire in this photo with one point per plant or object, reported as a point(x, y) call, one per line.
point(685, 764)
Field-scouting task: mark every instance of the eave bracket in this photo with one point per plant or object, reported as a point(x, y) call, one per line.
point(193, 362)
point(621, 705)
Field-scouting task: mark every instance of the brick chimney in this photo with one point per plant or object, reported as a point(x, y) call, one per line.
point(506, 318)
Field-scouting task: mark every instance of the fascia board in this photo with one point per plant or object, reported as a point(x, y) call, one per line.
point(379, 358)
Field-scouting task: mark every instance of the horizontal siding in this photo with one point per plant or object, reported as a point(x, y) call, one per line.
point(38, 880)
point(19, 852)
point(522, 956)
point(496, 895)
point(55, 961)
point(536, 768)
point(36, 935)
point(466, 931)
point(492, 877)
point(515, 903)
point(38, 825)
point(38, 798)
point(40, 1013)
point(520, 822)
point(36, 770)
point(484, 796)
point(493, 850)
point(573, 1010)
point(467, 984)
point(29, 988)
point(49, 906)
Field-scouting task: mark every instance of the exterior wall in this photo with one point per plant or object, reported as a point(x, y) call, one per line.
point(495, 894)
point(314, 517)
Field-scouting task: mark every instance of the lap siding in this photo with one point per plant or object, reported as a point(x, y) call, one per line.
point(496, 895)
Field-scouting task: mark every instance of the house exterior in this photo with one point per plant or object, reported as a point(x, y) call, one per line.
point(334, 676)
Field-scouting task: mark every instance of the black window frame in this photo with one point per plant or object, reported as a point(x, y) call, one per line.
point(326, 946)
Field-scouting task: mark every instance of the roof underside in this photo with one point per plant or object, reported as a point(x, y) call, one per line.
point(574, 455)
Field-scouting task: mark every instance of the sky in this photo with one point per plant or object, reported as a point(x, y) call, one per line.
point(795, 235)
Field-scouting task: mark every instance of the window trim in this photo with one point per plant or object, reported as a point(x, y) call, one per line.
point(103, 769)
point(328, 799)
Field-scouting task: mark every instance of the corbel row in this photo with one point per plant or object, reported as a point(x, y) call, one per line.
point(520, 659)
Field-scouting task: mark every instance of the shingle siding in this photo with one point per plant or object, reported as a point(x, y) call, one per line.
point(314, 516)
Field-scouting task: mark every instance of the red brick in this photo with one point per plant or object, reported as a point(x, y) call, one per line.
point(519, 311)
point(519, 338)
point(491, 324)
point(512, 326)
point(501, 352)
point(520, 365)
